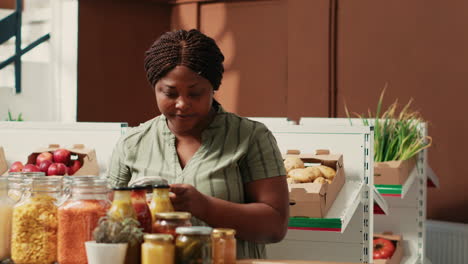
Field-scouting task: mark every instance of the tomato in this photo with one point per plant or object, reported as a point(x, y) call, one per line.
point(383, 248)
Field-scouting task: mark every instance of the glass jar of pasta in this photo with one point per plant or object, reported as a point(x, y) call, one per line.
point(34, 226)
point(15, 183)
point(224, 246)
point(6, 210)
point(193, 245)
point(78, 216)
point(167, 223)
point(158, 248)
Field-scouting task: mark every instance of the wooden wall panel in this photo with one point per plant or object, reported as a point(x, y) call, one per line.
point(419, 48)
point(253, 38)
point(113, 37)
point(308, 58)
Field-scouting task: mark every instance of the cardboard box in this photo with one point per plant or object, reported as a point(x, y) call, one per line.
point(86, 156)
point(398, 254)
point(393, 172)
point(3, 163)
point(315, 199)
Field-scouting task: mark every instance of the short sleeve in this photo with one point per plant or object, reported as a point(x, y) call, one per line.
point(118, 174)
point(263, 158)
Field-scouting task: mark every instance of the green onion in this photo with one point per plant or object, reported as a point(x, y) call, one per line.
point(396, 136)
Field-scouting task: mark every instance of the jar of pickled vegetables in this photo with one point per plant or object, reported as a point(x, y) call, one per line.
point(158, 248)
point(167, 223)
point(15, 183)
point(6, 210)
point(122, 206)
point(79, 216)
point(141, 207)
point(224, 246)
point(160, 202)
point(34, 226)
point(193, 245)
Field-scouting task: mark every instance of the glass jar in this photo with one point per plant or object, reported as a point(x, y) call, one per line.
point(224, 246)
point(34, 226)
point(79, 216)
point(160, 202)
point(141, 207)
point(193, 245)
point(158, 248)
point(6, 211)
point(122, 206)
point(15, 183)
point(167, 223)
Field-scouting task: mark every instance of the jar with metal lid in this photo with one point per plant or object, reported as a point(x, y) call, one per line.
point(224, 246)
point(15, 183)
point(34, 226)
point(160, 202)
point(166, 223)
point(6, 211)
point(158, 248)
point(193, 245)
point(141, 207)
point(79, 215)
point(122, 206)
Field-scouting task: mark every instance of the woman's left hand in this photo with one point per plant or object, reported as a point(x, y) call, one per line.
point(186, 198)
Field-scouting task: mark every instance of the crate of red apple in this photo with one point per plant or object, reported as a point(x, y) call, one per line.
point(56, 160)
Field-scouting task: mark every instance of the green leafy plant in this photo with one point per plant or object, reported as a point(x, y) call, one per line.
point(111, 231)
point(397, 136)
point(10, 117)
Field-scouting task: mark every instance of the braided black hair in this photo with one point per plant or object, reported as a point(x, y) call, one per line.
point(192, 49)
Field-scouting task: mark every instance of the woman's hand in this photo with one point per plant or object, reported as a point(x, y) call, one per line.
point(186, 198)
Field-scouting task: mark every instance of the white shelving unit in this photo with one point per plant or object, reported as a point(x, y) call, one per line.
point(19, 139)
point(406, 203)
point(348, 226)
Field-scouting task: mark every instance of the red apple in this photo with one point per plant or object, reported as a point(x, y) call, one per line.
point(30, 168)
point(44, 166)
point(17, 166)
point(74, 167)
point(44, 156)
point(57, 169)
point(62, 156)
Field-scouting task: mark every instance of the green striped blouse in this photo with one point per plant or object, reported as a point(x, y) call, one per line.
point(234, 151)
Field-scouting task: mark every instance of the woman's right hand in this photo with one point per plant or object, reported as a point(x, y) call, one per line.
point(186, 198)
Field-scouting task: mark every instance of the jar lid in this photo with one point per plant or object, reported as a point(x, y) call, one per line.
point(27, 174)
point(140, 187)
point(158, 237)
point(123, 188)
point(173, 215)
point(194, 230)
point(223, 232)
point(161, 186)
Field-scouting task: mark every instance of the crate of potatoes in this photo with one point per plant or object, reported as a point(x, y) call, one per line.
point(314, 181)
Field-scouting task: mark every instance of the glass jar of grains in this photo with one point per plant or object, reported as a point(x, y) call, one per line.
point(193, 245)
point(167, 223)
point(79, 216)
point(34, 226)
point(158, 248)
point(224, 246)
point(6, 210)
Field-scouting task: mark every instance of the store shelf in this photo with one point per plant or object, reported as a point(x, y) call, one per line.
point(380, 205)
point(432, 179)
point(338, 216)
point(397, 190)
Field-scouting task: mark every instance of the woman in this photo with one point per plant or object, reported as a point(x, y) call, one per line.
point(224, 169)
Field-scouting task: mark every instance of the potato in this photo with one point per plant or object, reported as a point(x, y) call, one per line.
point(328, 173)
point(301, 175)
point(313, 173)
point(291, 163)
point(320, 180)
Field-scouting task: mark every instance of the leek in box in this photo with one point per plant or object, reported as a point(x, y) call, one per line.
point(397, 141)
